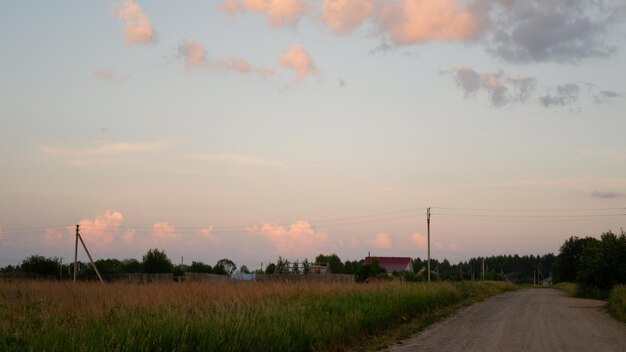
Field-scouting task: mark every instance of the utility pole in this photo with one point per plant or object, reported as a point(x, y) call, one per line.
point(76, 253)
point(483, 274)
point(428, 230)
point(78, 237)
point(90, 259)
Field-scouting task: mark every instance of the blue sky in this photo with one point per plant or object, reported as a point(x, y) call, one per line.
point(251, 129)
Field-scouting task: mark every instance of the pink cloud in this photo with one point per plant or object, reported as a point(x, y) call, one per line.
point(229, 6)
point(103, 73)
point(381, 240)
point(102, 230)
point(342, 16)
point(1, 233)
point(128, 236)
point(137, 27)
point(193, 52)
point(298, 238)
point(298, 59)
point(207, 233)
point(241, 65)
point(195, 56)
point(411, 21)
point(420, 240)
point(163, 231)
point(59, 238)
point(280, 13)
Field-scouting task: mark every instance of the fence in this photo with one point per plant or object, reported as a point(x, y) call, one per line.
point(333, 278)
point(139, 277)
point(204, 277)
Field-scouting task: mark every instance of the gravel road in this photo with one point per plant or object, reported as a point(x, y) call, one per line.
point(524, 320)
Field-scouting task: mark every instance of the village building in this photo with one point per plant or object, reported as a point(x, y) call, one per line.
point(393, 264)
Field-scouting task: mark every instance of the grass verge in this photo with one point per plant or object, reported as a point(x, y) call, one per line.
point(569, 287)
point(61, 316)
point(616, 305)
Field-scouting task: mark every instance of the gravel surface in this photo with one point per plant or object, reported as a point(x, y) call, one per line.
point(524, 320)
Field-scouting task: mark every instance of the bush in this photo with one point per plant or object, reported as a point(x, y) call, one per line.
point(617, 303)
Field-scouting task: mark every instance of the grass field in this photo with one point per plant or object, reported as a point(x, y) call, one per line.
point(62, 316)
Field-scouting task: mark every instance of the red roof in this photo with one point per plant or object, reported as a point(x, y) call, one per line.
point(391, 264)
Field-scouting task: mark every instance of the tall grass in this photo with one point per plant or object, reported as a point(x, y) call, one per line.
point(62, 316)
point(569, 287)
point(617, 303)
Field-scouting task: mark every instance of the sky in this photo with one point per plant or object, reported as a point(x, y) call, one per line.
point(253, 129)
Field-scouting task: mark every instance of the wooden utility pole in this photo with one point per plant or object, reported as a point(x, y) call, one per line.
point(428, 230)
point(483, 274)
point(76, 253)
point(78, 237)
point(91, 260)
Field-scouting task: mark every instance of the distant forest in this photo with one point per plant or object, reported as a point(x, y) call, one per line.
point(596, 265)
point(513, 268)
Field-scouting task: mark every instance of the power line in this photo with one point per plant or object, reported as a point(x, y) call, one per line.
point(459, 212)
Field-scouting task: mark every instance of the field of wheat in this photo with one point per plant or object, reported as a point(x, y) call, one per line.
point(64, 316)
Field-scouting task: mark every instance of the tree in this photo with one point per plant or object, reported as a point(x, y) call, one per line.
point(40, 265)
point(131, 265)
point(228, 265)
point(105, 267)
point(200, 267)
point(569, 260)
point(270, 269)
point(332, 261)
point(219, 270)
point(603, 266)
point(244, 270)
point(156, 261)
point(372, 269)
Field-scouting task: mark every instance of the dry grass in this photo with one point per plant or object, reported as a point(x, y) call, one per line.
point(40, 315)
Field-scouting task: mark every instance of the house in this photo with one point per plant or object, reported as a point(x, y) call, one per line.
point(392, 264)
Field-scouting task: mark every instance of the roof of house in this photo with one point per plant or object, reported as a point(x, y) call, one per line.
point(391, 264)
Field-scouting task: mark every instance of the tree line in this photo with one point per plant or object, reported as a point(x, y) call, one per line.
point(154, 261)
point(596, 265)
point(513, 268)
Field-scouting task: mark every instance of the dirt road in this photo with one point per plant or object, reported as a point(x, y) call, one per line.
point(524, 320)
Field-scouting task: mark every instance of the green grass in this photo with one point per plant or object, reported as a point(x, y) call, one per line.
point(616, 305)
point(53, 316)
point(569, 287)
